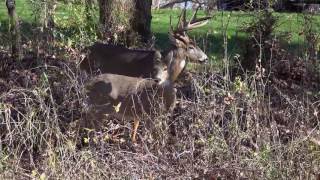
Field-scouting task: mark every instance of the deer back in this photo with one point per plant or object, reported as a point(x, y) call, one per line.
point(120, 60)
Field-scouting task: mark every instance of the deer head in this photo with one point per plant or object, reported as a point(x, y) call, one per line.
point(180, 39)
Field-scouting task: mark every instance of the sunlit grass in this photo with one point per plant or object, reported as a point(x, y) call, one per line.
point(209, 37)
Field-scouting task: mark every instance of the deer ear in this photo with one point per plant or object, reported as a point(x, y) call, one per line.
point(174, 41)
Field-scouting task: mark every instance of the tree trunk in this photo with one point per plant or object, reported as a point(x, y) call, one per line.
point(105, 18)
point(156, 4)
point(14, 30)
point(49, 21)
point(141, 21)
point(129, 28)
point(212, 5)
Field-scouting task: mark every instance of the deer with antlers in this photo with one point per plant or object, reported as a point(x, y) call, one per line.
point(132, 97)
point(145, 63)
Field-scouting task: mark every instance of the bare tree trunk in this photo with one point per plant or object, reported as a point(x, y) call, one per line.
point(105, 12)
point(212, 5)
point(114, 21)
point(156, 4)
point(49, 22)
point(14, 30)
point(141, 21)
point(133, 26)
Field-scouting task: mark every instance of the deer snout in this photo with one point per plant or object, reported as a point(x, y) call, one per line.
point(161, 76)
point(204, 59)
point(157, 80)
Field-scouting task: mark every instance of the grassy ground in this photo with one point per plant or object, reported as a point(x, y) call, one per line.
point(213, 32)
point(209, 37)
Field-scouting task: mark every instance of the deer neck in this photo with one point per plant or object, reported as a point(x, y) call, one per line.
point(168, 54)
point(177, 64)
point(168, 93)
point(175, 58)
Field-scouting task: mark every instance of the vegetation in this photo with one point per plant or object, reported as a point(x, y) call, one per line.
point(232, 22)
point(252, 113)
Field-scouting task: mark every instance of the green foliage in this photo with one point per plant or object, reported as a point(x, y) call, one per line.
point(240, 86)
point(73, 27)
point(39, 10)
point(288, 23)
point(4, 157)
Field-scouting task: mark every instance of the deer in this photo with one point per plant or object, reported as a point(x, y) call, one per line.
point(126, 97)
point(120, 60)
point(116, 59)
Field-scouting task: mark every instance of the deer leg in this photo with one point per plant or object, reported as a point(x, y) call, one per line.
point(135, 128)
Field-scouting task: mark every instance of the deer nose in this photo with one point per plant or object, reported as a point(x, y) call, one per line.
point(204, 60)
point(157, 80)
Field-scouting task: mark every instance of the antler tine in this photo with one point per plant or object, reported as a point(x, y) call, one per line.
point(194, 15)
point(171, 28)
point(200, 20)
point(195, 22)
point(185, 12)
point(199, 23)
point(182, 19)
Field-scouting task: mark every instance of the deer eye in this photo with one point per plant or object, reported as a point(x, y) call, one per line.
point(191, 47)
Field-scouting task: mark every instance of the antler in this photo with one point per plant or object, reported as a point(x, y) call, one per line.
point(183, 25)
point(195, 23)
point(178, 35)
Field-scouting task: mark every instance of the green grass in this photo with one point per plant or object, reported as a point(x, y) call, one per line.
point(213, 32)
point(23, 10)
point(209, 37)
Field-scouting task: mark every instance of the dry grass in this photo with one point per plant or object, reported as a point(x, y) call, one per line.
point(241, 129)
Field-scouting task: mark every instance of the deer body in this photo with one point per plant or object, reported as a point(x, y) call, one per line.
point(130, 101)
point(120, 60)
point(134, 97)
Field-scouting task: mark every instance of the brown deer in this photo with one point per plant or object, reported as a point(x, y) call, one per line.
point(144, 63)
point(117, 59)
point(131, 97)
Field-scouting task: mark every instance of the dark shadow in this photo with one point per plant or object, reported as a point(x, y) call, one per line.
point(26, 29)
point(298, 49)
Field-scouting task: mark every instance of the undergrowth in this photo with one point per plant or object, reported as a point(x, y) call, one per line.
point(251, 129)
